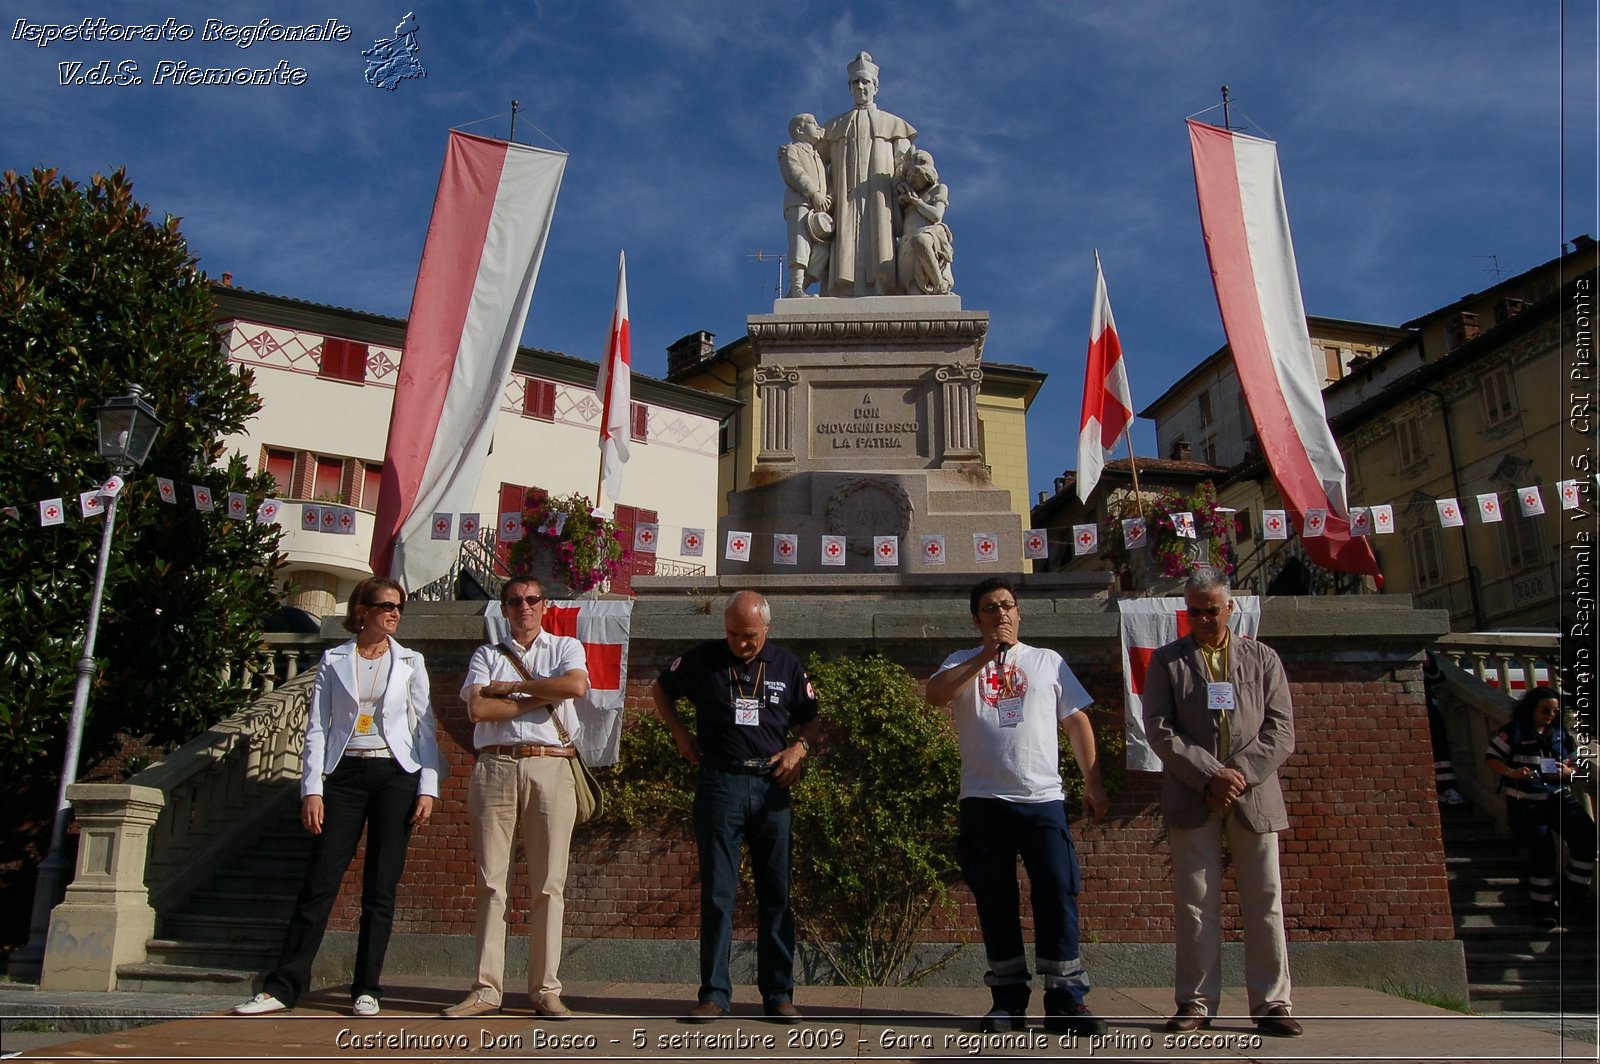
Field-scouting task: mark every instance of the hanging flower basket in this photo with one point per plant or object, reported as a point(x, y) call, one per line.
point(579, 550)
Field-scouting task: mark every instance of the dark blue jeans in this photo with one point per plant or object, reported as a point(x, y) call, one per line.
point(994, 833)
point(731, 809)
point(360, 792)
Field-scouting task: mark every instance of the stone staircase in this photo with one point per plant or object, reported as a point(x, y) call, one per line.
point(1513, 964)
point(229, 932)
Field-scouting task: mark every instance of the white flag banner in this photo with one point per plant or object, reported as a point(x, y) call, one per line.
point(1135, 532)
point(832, 550)
point(1569, 494)
point(167, 490)
point(441, 525)
point(1489, 507)
point(692, 543)
point(330, 520)
point(467, 526)
point(1383, 519)
point(1449, 513)
point(52, 512)
point(202, 498)
point(614, 389)
point(311, 517)
point(645, 537)
point(933, 552)
point(1531, 502)
point(1274, 524)
point(1036, 544)
point(510, 527)
point(985, 547)
point(1085, 540)
point(1316, 523)
point(90, 503)
point(1147, 625)
point(601, 625)
point(112, 487)
point(738, 547)
point(1183, 525)
point(1360, 521)
point(267, 512)
point(785, 548)
point(886, 550)
point(238, 505)
point(344, 521)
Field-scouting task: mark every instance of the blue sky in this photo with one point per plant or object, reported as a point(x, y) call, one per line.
point(1417, 140)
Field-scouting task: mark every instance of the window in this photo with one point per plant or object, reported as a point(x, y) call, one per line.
point(371, 481)
point(539, 399)
point(725, 435)
point(1408, 437)
point(343, 360)
point(280, 465)
point(1426, 569)
point(1204, 401)
point(1499, 398)
point(328, 483)
point(1521, 539)
point(639, 422)
point(1332, 366)
point(1208, 450)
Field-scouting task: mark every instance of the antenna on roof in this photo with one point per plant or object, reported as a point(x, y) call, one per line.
point(763, 255)
point(1493, 267)
point(513, 135)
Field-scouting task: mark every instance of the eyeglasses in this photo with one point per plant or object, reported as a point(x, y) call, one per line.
point(997, 607)
point(530, 601)
point(386, 607)
point(1211, 612)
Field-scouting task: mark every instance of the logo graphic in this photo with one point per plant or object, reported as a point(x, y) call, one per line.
point(992, 685)
point(393, 60)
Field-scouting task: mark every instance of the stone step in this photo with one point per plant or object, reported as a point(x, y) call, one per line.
point(1532, 970)
point(246, 883)
point(1534, 996)
point(196, 927)
point(274, 907)
point(227, 956)
point(186, 979)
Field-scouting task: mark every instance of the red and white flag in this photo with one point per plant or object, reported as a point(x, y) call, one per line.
point(167, 490)
point(467, 527)
point(692, 544)
point(785, 548)
point(1246, 229)
point(833, 550)
point(933, 552)
point(985, 547)
point(1531, 502)
point(51, 512)
point(311, 517)
point(1383, 519)
point(645, 537)
point(1360, 521)
point(1135, 532)
point(90, 503)
point(738, 547)
point(1274, 524)
point(480, 262)
point(1085, 540)
point(886, 550)
point(1449, 513)
point(1036, 544)
point(1107, 402)
point(441, 526)
point(1147, 625)
point(202, 497)
point(1569, 494)
point(510, 527)
point(267, 512)
point(238, 505)
point(615, 391)
point(1489, 507)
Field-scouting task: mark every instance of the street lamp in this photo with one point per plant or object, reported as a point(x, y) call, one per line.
point(127, 428)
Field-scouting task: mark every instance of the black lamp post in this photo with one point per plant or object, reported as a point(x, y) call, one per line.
point(128, 427)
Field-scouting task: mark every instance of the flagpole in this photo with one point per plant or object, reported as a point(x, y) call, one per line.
point(1133, 466)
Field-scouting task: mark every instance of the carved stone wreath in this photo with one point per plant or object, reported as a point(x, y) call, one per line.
point(867, 507)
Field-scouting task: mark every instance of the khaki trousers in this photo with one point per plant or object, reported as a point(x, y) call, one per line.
point(538, 793)
point(1197, 913)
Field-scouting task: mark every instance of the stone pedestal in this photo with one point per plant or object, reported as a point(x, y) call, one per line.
point(869, 427)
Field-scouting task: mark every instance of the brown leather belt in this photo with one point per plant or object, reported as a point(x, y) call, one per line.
point(530, 750)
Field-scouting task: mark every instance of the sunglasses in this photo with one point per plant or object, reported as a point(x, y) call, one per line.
point(523, 600)
point(386, 607)
point(1204, 611)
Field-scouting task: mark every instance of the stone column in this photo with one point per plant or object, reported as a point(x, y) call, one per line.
point(776, 387)
point(960, 400)
point(105, 919)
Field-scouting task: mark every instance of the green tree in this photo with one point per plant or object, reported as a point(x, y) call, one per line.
point(94, 296)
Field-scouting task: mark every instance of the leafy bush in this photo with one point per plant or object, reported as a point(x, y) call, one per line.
point(95, 296)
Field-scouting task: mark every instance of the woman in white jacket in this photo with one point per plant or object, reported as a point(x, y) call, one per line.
point(371, 761)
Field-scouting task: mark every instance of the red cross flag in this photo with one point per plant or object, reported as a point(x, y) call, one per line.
point(1360, 521)
point(1531, 502)
point(1085, 540)
point(238, 505)
point(166, 490)
point(112, 487)
point(345, 525)
point(1316, 522)
point(1107, 402)
point(933, 550)
point(1274, 524)
point(202, 498)
point(885, 550)
point(90, 503)
point(330, 519)
point(311, 518)
point(510, 527)
point(985, 547)
point(51, 512)
point(267, 512)
point(1383, 519)
point(738, 546)
point(1489, 507)
point(441, 526)
point(692, 544)
point(785, 548)
point(1147, 625)
point(467, 526)
point(1135, 533)
point(1449, 513)
point(1569, 494)
point(645, 538)
point(1036, 544)
point(833, 550)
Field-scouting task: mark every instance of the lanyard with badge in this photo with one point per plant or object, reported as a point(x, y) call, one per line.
point(747, 707)
point(1008, 706)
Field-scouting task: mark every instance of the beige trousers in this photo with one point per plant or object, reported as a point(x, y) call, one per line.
point(1197, 913)
point(538, 793)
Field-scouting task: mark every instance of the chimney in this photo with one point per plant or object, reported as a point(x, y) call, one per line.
point(1508, 308)
point(684, 354)
point(1182, 451)
point(1460, 329)
point(1061, 485)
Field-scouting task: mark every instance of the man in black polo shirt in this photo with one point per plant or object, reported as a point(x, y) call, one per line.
point(748, 696)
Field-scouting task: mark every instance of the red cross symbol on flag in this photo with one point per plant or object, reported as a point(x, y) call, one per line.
point(236, 507)
point(470, 527)
point(1383, 518)
point(645, 535)
point(1449, 511)
point(886, 549)
point(1314, 521)
point(985, 546)
point(166, 491)
point(203, 498)
point(833, 550)
point(691, 541)
point(1488, 505)
point(1530, 499)
point(1569, 492)
point(1034, 542)
point(784, 546)
point(1274, 524)
point(51, 512)
point(441, 525)
point(738, 544)
point(933, 548)
point(310, 519)
point(1085, 538)
point(345, 520)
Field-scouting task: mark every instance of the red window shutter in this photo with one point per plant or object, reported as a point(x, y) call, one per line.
point(343, 360)
point(639, 422)
point(643, 562)
point(539, 399)
point(627, 518)
point(511, 501)
point(280, 464)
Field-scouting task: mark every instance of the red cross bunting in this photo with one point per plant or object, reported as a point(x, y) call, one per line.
point(738, 544)
point(1034, 542)
point(1274, 524)
point(345, 520)
point(833, 550)
point(933, 549)
point(441, 526)
point(51, 512)
point(1085, 538)
point(1488, 505)
point(886, 550)
point(985, 546)
point(784, 546)
point(645, 535)
point(691, 541)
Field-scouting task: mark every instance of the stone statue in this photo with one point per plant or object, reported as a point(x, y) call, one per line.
point(926, 249)
point(806, 204)
point(865, 147)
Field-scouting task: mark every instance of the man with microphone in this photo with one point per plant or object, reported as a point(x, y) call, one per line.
point(1009, 702)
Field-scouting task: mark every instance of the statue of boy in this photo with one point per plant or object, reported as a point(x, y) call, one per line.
point(806, 204)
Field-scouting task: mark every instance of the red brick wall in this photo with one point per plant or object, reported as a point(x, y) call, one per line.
point(1361, 860)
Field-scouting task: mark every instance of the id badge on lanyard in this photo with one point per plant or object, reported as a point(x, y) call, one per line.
point(1219, 696)
point(747, 711)
point(1010, 710)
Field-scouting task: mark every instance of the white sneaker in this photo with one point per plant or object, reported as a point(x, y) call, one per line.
point(259, 1005)
point(1451, 797)
point(365, 1005)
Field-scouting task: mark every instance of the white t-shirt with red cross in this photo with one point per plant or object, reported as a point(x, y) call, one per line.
point(1008, 722)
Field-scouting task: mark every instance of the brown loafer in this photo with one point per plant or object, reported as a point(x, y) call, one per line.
point(705, 1012)
point(782, 1012)
point(1277, 1022)
point(1190, 1017)
point(474, 1004)
point(551, 1006)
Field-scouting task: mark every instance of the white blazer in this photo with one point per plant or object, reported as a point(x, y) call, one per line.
point(331, 719)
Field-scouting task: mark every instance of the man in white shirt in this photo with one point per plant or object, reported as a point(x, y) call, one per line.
point(522, 777)
point(1009, 702)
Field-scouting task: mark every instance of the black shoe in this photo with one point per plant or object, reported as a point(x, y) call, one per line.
point(1074, 1016)
point(999, 1021)
point(782, 1012)
point(1277, 1022)
point(1189, 1017)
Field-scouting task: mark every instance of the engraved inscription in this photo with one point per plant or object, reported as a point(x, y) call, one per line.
point(849, 420)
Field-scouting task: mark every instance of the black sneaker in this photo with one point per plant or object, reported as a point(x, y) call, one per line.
point(999, 1021)
point(1073, 1017)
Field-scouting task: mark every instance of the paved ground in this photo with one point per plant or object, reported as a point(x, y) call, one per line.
point(638, 1022)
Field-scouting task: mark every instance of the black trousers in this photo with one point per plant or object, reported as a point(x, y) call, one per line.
point(373, 793)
